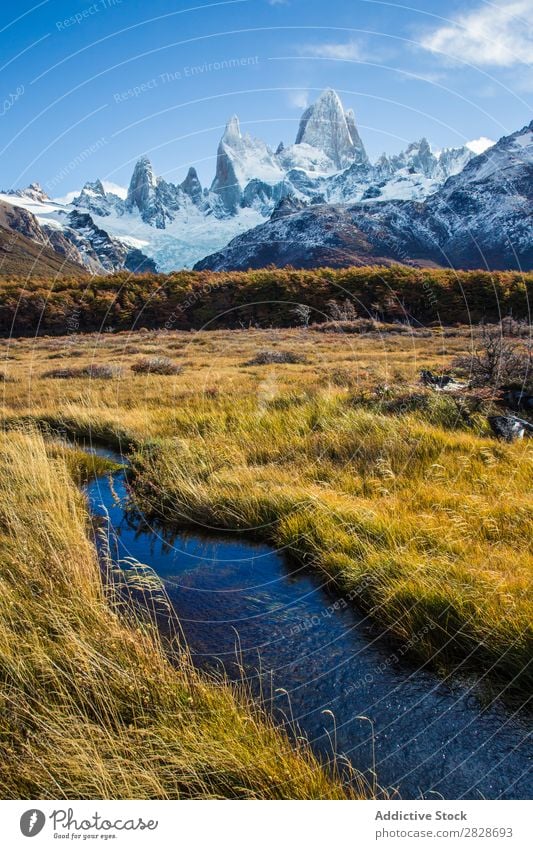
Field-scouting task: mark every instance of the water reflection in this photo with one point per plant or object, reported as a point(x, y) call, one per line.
point(306, 652)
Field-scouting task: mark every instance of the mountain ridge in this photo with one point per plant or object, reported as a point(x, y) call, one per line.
point(481, 217)
point(179, 225)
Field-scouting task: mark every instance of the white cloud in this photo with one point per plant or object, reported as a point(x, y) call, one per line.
point(68, 198)
point(335, 50)
point(498, 33)
point(354, 51)
point(480, 145)
point(298, 99)
point(121, 191)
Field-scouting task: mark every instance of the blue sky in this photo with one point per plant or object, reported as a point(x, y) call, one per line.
point(100, 83)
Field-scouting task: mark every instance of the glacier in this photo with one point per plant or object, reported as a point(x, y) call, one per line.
point(177, 225)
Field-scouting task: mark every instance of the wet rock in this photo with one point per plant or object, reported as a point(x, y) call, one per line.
point(443, 382)
point(510, 428)
point(429, 378)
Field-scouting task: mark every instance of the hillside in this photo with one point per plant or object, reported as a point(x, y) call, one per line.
point(20, 256)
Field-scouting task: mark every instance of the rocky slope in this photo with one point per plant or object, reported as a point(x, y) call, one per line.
point(316, 236)
point(75, 238)
point(482, 217)
point(25, 250)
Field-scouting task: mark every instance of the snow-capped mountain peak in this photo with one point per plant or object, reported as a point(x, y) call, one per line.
point(95, 199)
point(233, 130)
point(34, 191)
point(241, 159)
point(480, 217)
point(142, 185)
point(177, 224)
point(326, 126)
point(192, 187)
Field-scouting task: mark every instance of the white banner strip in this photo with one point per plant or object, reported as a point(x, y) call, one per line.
point(264, 825)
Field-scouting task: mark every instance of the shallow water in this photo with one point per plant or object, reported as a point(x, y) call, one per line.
point(237, 600)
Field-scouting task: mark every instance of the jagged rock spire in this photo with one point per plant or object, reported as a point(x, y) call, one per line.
point(233, 130)
point(142, 185)
point(241, 159)
point(192, 186)
point(326, 126)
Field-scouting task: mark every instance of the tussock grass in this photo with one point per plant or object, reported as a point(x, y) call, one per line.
point(90, 706)
point(395, 492)
point(418, 524)
point(156, 365)
point(265, 358)
point(93, 371)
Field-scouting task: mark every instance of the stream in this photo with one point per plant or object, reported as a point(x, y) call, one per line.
point(246, 607)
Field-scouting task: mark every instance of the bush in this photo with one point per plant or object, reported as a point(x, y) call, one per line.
point(156, 365)
point(265, 358)
point(369, 325)
point(497, 362)
point(512, 327)
point(97, 372)
point(341, 310)
point(264, 297)
point(343, 377)
point(358, 325)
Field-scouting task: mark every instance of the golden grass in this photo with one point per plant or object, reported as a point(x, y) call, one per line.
point(90, 706)
point(424, 519)
point(420, 525)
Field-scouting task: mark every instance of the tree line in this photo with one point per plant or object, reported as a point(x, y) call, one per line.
point(185, 300)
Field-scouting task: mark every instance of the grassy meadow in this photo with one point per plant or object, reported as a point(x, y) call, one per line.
point(399, 495)
point(90, 706)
